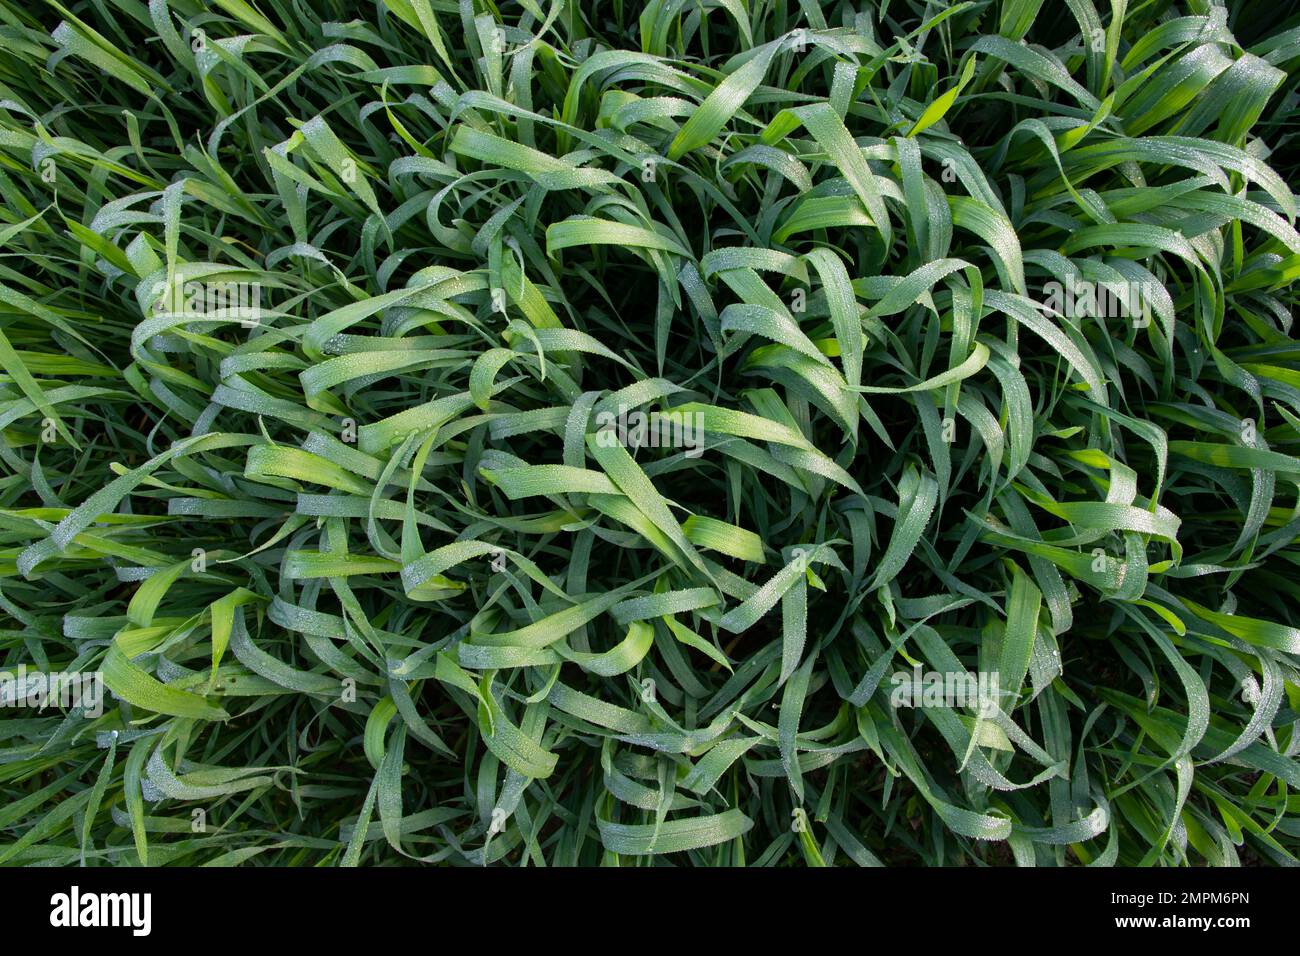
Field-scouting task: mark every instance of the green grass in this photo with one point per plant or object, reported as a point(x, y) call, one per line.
point(369, 585)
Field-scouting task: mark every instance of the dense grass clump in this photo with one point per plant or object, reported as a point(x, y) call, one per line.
point(706, 432)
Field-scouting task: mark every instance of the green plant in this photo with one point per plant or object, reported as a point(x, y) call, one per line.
point(324, 330)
